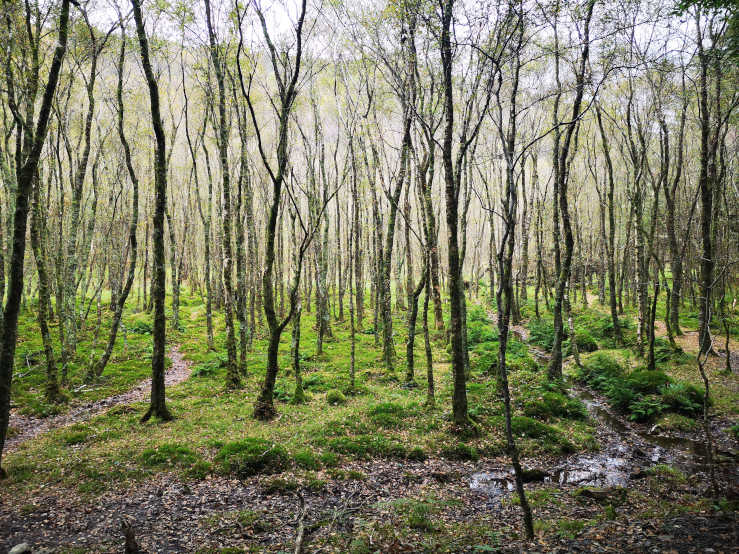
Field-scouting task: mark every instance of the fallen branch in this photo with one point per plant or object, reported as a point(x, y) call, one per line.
point(301, 526)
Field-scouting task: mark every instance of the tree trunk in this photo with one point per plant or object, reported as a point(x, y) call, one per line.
point(158, 407)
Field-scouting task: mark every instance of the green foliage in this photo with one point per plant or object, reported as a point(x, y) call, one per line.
point(484, 359)
point(460, 451)
point(316, 382)
point(619, 393)
point(551, 404)
point(416, 454)
point(541, 333)
point(664, 351)
point(599, 369)
point(140, 328)
point(250, 456)
point(306, 459)
point(75, 434)
point(335, 397)
point(476, 313)
point(643, 394)
point(278, 485)
point(168, 454)
point(584, 340)
point(647, 382)
point(479, 331)
point(683, 398)
point(668, 472)
point(328, 459)
point(646, 408)
point(419, 517)
point(389, 415)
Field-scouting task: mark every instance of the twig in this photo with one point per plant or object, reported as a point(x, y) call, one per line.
point(301, 526)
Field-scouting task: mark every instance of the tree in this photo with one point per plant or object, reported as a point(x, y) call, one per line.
point(157, 407)
point(29, 155)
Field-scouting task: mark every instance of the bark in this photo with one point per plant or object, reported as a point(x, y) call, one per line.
point(26, 175)
point(232, 371)
point(456, 292)
point(561, 181)
point(611, 243)
point(38, 244)
point(413, 294)
point(158, 407)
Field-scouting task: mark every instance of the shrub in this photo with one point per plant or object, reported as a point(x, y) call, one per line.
point(646, 408)
point(315, 382)
point(647, 382)
point(683, 398)
point(585, 341)
point(476, 313)
point(168, 455)
point(141, 328)
point(522, 425)
point(664, 351)
point(250, 456)
point(485, 358)
point(619, 393)
point(541, 333)
point(335, 397)
point(599, 370)
point(478, 332)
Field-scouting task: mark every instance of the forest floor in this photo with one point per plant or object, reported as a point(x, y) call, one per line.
point(377, 469)
point(26, 427)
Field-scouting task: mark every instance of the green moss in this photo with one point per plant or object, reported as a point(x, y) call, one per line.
point(551, 404)
point(306, 459)
point(251, 456)
point(335, 397)
point(278, 485)
point(168, 454)
point(460, 451)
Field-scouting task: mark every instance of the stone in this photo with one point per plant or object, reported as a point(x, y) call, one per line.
point(22, 548)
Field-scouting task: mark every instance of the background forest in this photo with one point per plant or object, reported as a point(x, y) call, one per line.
point(377, 276)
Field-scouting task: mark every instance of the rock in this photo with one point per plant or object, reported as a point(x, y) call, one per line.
point(22, 548)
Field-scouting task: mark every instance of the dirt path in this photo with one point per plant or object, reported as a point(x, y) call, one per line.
point(28, 427)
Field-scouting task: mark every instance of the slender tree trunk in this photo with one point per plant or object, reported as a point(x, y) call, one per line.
point(38, 243)
point(158, 407)
point(233, 379)
point(26, 175)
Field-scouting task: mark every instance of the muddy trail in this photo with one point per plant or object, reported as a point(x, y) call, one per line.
point(27, 427)
point(627, 450)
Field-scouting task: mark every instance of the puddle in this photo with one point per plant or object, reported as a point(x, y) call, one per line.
point(602, 470)
point(626, 450)
point(492, 483)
